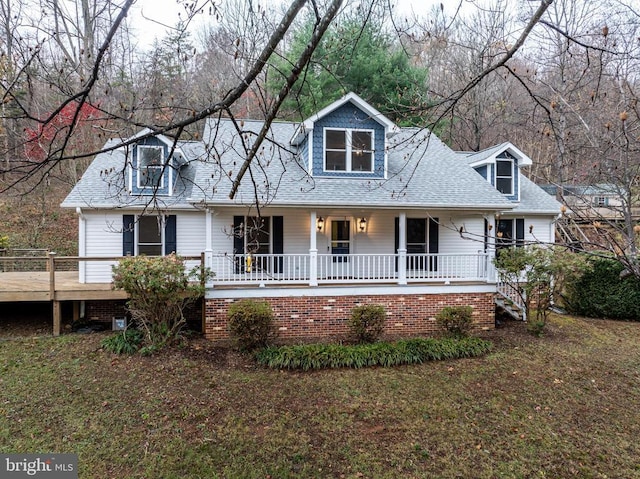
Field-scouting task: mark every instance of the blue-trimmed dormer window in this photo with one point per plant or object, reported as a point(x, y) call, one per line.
point(349, 150)
point(150, 167)
point(504, 173)
point(152, 171)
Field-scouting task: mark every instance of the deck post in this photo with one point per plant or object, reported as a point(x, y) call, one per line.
point(57, 318)
point(57, 309)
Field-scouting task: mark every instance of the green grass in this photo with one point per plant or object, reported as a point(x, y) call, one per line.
point(564, 405)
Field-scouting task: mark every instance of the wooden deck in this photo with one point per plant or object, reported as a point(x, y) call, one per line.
point(37, 286)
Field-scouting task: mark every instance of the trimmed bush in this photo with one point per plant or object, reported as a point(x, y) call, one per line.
point(367, 323)
point(251, 324)
point(455, 320)
point(412, 351)
point(601, 293)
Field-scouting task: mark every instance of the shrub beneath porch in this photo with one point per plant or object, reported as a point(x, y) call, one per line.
point(320, 318)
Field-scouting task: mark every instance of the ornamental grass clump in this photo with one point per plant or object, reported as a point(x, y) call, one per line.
point(330, 356)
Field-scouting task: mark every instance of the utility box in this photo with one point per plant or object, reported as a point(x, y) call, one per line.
point(119, 324)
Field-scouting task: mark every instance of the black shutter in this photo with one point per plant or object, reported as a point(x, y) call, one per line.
point(238, 242)
point(397, 239)
point(433, 243)
point(170, 242)
point(278, 242)
point(128, 235)
point(519, 231)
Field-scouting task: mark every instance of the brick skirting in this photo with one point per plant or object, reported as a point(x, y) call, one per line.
point(325, 317)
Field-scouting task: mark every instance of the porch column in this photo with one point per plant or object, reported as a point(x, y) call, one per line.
point(402, 249)
point(313, 251)
point(491, 248)
point(208, 244)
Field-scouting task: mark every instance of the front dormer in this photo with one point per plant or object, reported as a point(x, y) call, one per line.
point(500, 166)
point(152, 171)
point(346, 139)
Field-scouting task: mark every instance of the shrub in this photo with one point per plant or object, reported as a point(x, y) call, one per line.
point(456, 320)
point(367, 323)
point(251, 324)
point(124, 342)
point(159, 290)
point(601, 293)
point(412, 351)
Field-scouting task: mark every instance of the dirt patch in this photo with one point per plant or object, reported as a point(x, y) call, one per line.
point(25, 319)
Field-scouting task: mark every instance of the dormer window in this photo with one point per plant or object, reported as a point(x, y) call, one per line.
point(504, 173)
point(348, 150)
point(150, 167)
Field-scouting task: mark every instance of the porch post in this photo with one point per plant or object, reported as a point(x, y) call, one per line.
point(402, 249)
point(491, 248)
point(313, 251)
point(208, 244)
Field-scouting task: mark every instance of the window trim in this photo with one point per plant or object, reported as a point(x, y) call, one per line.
point(161, 221)
point(140, 169)
point(510, 177)
point(348, 149)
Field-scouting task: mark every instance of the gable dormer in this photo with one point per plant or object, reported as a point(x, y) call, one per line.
point(346, 139)
point(500, 165)
point(151, 170)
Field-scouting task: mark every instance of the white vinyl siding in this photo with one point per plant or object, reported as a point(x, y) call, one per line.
point(103, 238)
point(190, 235)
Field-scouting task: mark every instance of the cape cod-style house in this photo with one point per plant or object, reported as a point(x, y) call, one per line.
point(352, 209)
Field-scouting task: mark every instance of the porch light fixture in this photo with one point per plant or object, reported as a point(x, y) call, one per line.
point(320, 223)
point(362, 224)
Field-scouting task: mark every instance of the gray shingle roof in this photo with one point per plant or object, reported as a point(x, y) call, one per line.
point(423, 172)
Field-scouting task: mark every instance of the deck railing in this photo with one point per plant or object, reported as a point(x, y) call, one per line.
point(264, 269)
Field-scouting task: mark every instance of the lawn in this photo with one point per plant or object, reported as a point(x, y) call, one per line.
point(564, 405)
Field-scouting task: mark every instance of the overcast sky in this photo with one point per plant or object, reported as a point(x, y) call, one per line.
point(165, 12)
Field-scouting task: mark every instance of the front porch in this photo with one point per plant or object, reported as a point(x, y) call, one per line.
point(260, 270)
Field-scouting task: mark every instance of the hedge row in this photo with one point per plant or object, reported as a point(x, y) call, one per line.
point(411, 351)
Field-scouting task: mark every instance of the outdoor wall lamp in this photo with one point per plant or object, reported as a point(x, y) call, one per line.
point(320, 223)
point(362, 224)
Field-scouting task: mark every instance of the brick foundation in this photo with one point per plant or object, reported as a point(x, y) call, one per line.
point(325, 317)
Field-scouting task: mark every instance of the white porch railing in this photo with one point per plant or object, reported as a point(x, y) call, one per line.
point(264, 269)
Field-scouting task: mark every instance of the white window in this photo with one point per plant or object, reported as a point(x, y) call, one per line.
point(150, 230)
point(504, 176)
point(150, 167)
point(600, 201)
point(348, 150)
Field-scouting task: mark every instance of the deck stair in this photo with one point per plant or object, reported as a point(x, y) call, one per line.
point(509, 302)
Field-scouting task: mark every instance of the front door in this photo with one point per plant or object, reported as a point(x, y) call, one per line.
point(340, 248)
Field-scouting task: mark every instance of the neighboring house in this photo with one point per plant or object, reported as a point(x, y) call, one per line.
point(353, 210)
point(587, 203)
